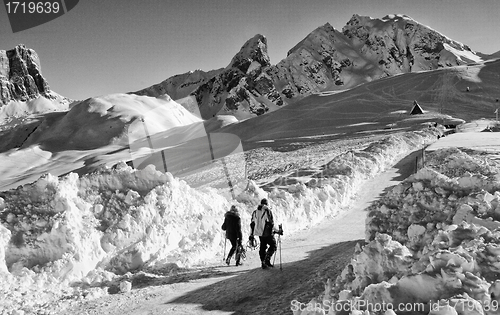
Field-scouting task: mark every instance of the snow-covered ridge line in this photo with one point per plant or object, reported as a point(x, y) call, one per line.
point(434, 243)
point(89, 229)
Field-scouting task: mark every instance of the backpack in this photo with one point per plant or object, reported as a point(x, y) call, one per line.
point(268, 227)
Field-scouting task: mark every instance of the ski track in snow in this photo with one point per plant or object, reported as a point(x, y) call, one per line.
point(309, 257)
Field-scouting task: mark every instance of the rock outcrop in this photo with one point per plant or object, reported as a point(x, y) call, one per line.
point(20, 75)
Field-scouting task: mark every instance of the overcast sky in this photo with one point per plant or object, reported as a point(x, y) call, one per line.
point(112, 46)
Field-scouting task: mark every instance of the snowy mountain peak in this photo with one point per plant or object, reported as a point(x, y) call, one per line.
point(400, 42)
point(252, 54)
point(327, 27)
point(326, 31)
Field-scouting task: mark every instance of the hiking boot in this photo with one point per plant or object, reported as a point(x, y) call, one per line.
point(268, 263)
point(238, 263)
point(228, 261)
point(264, 266)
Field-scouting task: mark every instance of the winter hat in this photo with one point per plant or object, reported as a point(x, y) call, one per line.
point(234, 209)
point(263, 201)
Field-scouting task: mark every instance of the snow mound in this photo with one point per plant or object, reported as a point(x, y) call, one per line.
point(80, 229)
point(99, 121)
point(433, 243)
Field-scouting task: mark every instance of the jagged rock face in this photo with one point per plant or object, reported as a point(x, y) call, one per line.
point(244, 88)
point(399, 44)
point(327, 59)
point(313, 65)
point(252, 55)
point(20, 75)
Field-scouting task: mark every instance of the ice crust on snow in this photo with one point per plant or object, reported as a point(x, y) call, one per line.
point(91, 229)
point(434, 239)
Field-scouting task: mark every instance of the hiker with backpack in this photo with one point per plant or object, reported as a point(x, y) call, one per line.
point(262, 225)
point(232, 226)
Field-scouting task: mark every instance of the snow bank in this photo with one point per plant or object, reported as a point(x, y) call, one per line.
point(81, 229)
point(87, 230)
point(304, 204)
point(433, 244)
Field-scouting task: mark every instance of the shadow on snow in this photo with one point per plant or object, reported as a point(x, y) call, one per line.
point(271, 291)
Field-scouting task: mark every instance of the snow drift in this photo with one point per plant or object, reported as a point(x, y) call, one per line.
point(433, 244)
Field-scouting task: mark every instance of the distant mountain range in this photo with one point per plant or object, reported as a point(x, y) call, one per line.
point(327, 59)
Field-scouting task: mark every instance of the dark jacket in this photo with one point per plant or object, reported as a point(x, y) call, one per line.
point(232, 225)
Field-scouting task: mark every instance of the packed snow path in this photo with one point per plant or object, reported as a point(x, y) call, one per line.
point(309, 257)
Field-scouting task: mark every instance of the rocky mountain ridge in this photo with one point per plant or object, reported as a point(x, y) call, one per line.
point(180, 85)
point(327, 59)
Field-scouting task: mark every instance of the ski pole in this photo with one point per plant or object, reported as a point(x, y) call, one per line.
point(274, 259)
point(279, 241)
point(225, 240)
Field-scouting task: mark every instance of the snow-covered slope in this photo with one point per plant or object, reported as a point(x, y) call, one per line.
point(99, 121)
point(103, 129)
point(179, 86)
point(327, 59)
point(467, 92)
